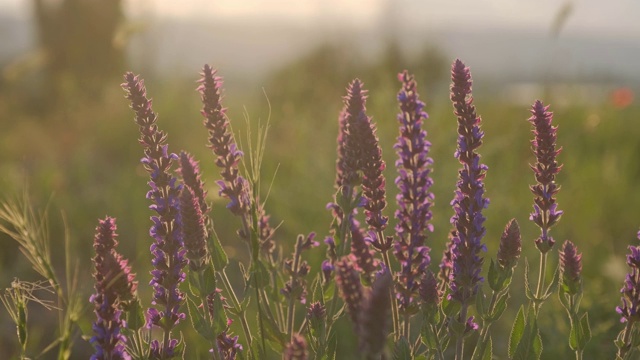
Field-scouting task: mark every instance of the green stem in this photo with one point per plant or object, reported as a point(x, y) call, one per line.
point(236, 305)
point(460, 338)
point(483, 338)
point(395, 316)
point(294, 284)
point(626, 340)
point(436, 333)
point(541, 279)
point(203, 299)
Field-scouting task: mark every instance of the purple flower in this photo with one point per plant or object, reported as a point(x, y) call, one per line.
point(414, 200)
point(361, 255)
point(446, 264)
point(327, 270)
point(510, 245)
point(228, 346)
point(265, 233)
point(351, 291)
point(362, 154)
point(167, 249)
point(630, 307)
point(316, 312)
point(233, 186)
point(571, 268)
point(115, 286)
point(546, 212)
point(194, 232)
point(296, 349)
point(189, 171)
point(429, 291)
point(374, 319)
point(469, 200)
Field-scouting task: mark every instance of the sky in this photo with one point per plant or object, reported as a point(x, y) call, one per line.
point(611, 18)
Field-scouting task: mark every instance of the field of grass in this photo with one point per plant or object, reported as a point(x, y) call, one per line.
point(82, 160)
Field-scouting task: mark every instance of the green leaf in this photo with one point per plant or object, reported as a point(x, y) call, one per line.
point(562, 295)
point(516, 332)
point(480, 307)
point(488, 351)
point(574, 335)
point(218, 255)
point(530, 346)
point(500, 307)
point(219, 320)
point(494, 277)
point(586, 329)
point(208, 280)
point(428, 337)
point(402, 350)
point(200, 324)
point(537, 342)
point(450, 307)
point(554, 284)
point(527, 284)
point(135, 316)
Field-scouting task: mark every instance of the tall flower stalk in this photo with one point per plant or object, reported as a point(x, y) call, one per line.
point(545, 210)
point(115, 287)
point(570, 293)
point(167, 249)
point(629, 308)
point(414, 200)
point(468, 203)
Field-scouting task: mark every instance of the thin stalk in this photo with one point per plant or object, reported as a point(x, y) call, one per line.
point(344, 238)
point(236, 305)
point(203, 299)
point(541, 279)
point(294, 282)
point(438, 343)
point(460, 338)
point(626, 340)
point(395, 316)
point(481, 345)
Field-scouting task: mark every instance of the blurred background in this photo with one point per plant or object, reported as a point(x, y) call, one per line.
point(67, 136)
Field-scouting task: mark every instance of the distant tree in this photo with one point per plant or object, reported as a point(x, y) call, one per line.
point(78, 38)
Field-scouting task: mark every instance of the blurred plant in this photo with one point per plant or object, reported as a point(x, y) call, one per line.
point(30, 230)
point(468, 203)
point(115, 291)
point(16, 298)
point(629, 338)
point(67, 32)
point(570, 294)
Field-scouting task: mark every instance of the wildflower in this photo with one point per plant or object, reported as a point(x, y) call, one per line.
point(167, 249)
point(296, 349)
point(374, 319)
point(510, 245)
point(546, 212)
point(228, 345)
point(233, 186)
point(469, 197)
point(414, 200)
point(361, 255)
point(428, 290)
point(630, 307)
point(114, 285)
point(189, 171)
point(351, 290)
point(194, 232)
point(571, 268)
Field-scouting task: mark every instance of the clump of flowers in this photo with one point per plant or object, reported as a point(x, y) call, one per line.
point(115, 287)
point(167, 249)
